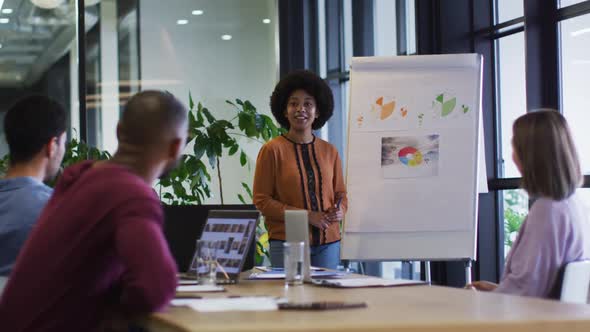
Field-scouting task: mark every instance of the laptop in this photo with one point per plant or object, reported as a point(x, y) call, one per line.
point(235, 230)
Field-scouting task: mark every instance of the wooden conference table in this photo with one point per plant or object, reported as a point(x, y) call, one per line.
point(409, 308)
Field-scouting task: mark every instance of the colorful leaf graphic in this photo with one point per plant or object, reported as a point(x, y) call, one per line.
point(448, 106)
point(379, 101)
point(439, 98)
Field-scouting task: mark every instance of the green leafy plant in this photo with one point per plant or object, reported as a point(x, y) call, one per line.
point(76, 151)
point(262, 239)
point(262, 244)
point(4, 163)
point(213, 137)
point(516, 204)
point(512, 224)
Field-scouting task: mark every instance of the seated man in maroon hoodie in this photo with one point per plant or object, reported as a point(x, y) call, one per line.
point(98, 246)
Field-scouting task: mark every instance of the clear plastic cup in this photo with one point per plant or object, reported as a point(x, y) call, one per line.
point(207, 262)
point(293, 262)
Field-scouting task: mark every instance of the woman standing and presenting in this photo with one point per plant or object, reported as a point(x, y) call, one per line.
point(556, 230)
point(299, 171)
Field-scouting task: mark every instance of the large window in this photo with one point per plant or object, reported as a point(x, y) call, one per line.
point(574, 36)
point(350, 28)
point(566, 3)
point(507, 10)
point(510, 82)
point(575, 69)
point(524, 38)
point(535, 56)
point(511, 94)
point(344, 33)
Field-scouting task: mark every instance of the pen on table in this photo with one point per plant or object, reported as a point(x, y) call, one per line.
point(321, 305)
point(223, 271)
point(187, 296)
point(190, 296)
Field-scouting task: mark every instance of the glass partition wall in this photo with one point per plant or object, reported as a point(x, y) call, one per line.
point(215, 50)
point(92, 55)
point(36, 52)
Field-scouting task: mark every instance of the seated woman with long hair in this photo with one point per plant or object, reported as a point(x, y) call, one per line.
point(556, 230)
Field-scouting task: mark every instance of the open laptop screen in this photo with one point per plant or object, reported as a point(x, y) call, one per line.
point(235, 230)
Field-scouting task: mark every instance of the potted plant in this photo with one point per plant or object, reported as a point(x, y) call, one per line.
point(186, 188)
point(211, 137)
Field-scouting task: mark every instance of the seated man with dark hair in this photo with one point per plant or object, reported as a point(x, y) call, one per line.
point(35, 132)
point(98, 250)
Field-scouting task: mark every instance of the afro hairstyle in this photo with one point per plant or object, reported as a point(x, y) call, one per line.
point(310, 83)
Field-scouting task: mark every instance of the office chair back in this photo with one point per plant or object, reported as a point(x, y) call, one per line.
point(576, 282)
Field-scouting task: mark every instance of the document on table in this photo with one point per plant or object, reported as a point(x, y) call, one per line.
point(280, 274)
point(252, 303)
point(199, 288)
point(268, 268)
point(366, 282)
point(187, 282)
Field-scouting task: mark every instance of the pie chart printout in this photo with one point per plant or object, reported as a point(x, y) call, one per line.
point(410, 156)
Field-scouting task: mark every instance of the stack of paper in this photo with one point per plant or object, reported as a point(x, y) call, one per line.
point(254, 303)
point(199, 288)
point(280, 274)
